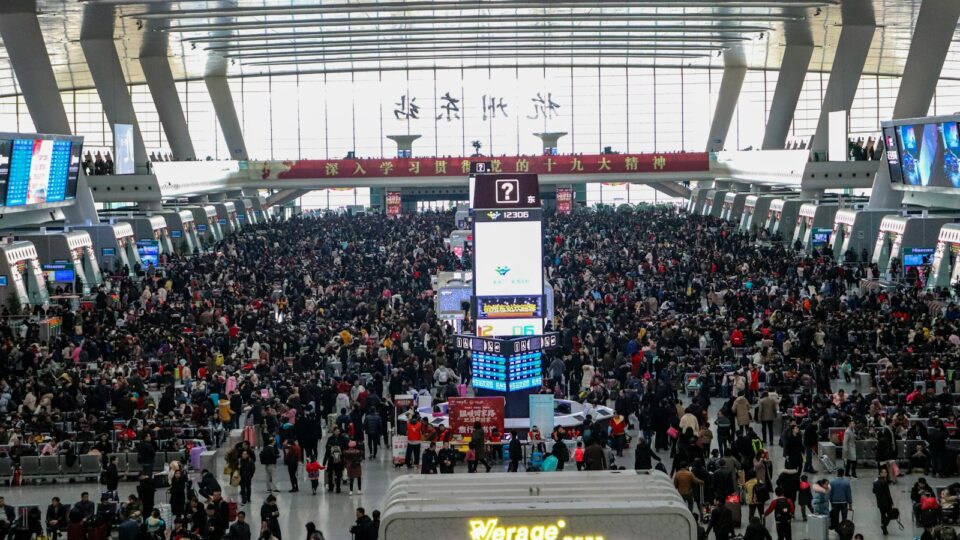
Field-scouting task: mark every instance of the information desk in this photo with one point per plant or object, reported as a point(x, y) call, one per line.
point(595, 505)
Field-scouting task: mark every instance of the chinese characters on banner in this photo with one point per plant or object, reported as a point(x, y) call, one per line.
point(564, 200)
point(465, 411)
point(612, 164)
point(393, 203)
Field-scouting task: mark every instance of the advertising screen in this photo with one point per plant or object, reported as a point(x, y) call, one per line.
point(450, 300)
point(924, 154)
point(564, 200)
point(465, 411)
point(917, 256)
point(820, 237)
point(149, 252)
point(509, 259)
point(892, 154)
point(59, 273)
point(393, 203)
point(123, 149)
point(108, 252)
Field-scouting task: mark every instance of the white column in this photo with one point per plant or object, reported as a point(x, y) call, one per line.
point(227, 115)
point(793, 71)
point(734, 71)
point(156, 70)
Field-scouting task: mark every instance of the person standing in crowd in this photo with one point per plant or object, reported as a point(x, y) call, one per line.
point(110, 477)
point(412, 456)
point(850, 450)
point(767, 412)
point(240, 529)
point(372, 425)
point(685, 482)
point(269, 456)
point(782, 509)
point(146, 454)
point(644, 456)
point(178, 493)
point(363, 528)
point(248, 468)
point(270, 516)
point(292, 457)
point(313, 468)
point(881, 490)
point(480, 445)
point(353, 459)
point(515, 450)
point(146, 491)
point(430, 459)
point(741, 408)
point(841, 498)
point(721, 521)
point(447, 458)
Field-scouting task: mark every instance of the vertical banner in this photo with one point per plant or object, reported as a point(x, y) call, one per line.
point(541, 412)
point(564, 200)
point(393, 203)
point(465, 411)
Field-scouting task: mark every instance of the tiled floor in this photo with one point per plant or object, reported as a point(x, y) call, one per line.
point(334, 514)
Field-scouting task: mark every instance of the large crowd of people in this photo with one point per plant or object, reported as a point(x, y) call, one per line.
point(288, 326)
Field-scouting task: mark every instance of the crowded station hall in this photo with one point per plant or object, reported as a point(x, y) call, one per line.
point(502, 270)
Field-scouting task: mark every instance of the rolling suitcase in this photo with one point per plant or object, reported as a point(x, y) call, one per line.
point(828, 465)
point(733, 504)
point(818, 527)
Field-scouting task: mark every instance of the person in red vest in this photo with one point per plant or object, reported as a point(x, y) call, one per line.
point(412, 457)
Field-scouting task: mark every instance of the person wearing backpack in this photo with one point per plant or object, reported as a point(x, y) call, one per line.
point(269, 456)
point(756, 494)
point(334, 461)
point(782, 510)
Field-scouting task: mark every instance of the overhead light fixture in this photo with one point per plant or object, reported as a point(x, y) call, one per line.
point(457, 22)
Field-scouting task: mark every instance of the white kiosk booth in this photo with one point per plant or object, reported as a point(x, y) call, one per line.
point(227, 217)
point(905, 241)
point(713, 203)
point(733, 206)
point(205, 221)
point(698, 197)
point(782, 216)
point(21, 275)
point(66, 258)
point(151, 228)
point(183, 236)
point(815, 224)
point(595, 505)
point(755, 212)
point(945, 268)
point(260, 210)
point(855, 230)
point(244, 210)
point(114, 243)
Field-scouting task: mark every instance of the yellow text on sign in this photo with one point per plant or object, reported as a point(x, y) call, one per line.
point(489, 529)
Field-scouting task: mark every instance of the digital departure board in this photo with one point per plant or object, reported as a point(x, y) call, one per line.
point(38, 169)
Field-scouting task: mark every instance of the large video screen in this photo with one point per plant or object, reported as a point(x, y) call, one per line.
point(39, 169)
point(123, 149)
point(509, 260)
point(927, 154)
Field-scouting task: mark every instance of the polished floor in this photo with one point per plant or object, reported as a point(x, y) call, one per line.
point(334, 514)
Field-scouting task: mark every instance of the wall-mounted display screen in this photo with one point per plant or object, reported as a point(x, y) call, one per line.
point(924, 153)
point(59, 273)
point(38, 169)
point(123, 149)
point(149, 251)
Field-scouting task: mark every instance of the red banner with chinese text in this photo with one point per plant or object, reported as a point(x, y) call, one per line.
point(465, 411)
point(393, 203)
point(407, 167)
point(564, 200)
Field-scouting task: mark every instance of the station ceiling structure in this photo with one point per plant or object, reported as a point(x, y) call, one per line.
point(257, 37)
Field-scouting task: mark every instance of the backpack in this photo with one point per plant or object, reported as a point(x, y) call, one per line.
point(761, 492)
point(782, 512)
point(846, 529)
point(443, 376)
point(336, 455)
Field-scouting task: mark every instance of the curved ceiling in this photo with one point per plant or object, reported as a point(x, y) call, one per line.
point(249, 37)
